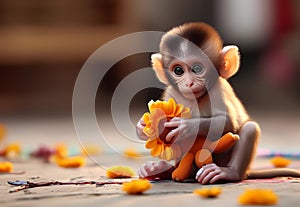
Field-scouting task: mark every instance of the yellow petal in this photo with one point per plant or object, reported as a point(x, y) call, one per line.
point(120, 172)
point(61, 150)
point(146, 117)
point(6, 167)
point(70, 162)
point(178, 111)
point(186, 113)
point(280, 161)
point(12, 149)
point(156, 150)
point(258, 197)
point(168, 153)
point(208, 192)
point(150, 143)
point(131, 153)
point(136, 186)
point(169, 107)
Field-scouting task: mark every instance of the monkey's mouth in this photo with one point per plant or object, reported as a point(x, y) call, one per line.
point(194, 93)
point(196, 90)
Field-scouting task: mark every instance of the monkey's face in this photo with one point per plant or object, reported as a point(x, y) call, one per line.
point(192, 77)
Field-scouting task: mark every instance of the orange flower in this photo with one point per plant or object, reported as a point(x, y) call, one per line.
point(136, 186)
point(208, 192)
point(159, 113)
point(6, 167)
point(279, 161)
point(119, 172)
point(70, 162)
point(258, 197)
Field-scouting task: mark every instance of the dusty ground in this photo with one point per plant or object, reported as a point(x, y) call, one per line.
point(33, 132)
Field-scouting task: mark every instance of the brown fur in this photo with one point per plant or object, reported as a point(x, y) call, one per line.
point(213, 103)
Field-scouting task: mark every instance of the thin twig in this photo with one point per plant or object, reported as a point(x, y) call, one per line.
point(28, 184)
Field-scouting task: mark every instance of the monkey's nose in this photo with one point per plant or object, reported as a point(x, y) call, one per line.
point(190, 84)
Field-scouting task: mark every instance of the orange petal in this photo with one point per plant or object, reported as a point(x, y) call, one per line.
point(70, 162)
point(6, 167)
point(136, 186)
point(156, 150)
point(280, 161)
point(208, 192)
point(169, 107)
point(150, 143)
point(120, 172)
point(167, 153)
point(178, 111)
point(146, 117)
point(186, 113)
point(258, 197)
point(150, 132)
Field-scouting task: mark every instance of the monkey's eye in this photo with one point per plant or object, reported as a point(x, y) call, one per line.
point(178, 70)
point(197, 68)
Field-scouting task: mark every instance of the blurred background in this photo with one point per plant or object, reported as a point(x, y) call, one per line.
point(44, 44)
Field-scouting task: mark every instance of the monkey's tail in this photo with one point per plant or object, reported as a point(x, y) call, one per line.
point(272, 173)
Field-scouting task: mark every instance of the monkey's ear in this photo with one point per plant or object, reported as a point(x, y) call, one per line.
point(157, 66)
point(231, 60)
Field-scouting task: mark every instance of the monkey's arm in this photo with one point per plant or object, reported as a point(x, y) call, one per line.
point(215, 127)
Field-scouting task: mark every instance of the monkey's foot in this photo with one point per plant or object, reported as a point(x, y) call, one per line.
point(212, 173)
point(156, 170)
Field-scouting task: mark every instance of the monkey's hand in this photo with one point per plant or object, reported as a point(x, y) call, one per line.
point(139, 130)
point(152, 170)
point(183, 129)
point(211, 173)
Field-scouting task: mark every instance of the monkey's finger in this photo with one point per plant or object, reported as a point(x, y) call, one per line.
point(211, 175)
point(199, 173)
point(172, 123)
point(142, 123)
point(142, 172)
point(206, 170)
point(172, 134)
point(217, 177)
point(176, 119)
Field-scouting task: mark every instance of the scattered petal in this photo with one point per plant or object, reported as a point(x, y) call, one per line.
point(208, 192)
point(120, 172)
point(131, 153)
point(91, 150)
point(70, 162)
point(6, 167)
point(258, 197)
point(136, 186)
point(61, 150)
point(43, 152)
point(280, 161)
point(12, 150)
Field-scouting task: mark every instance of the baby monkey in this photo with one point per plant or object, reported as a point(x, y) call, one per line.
point(195, 66)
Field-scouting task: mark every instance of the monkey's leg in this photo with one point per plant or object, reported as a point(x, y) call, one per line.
point(184, 168)
point(240, 159)
point(244, 151)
